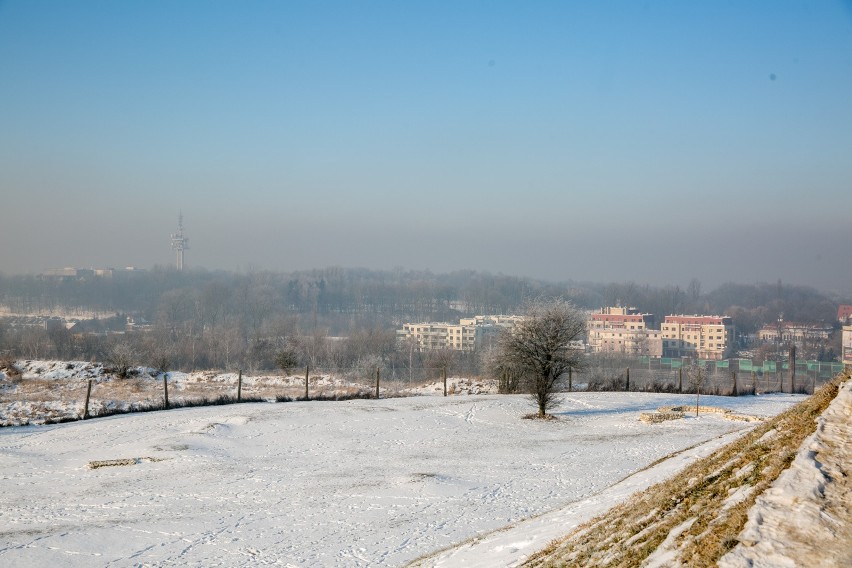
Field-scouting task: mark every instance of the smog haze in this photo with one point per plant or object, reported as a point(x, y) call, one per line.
point(653, 142)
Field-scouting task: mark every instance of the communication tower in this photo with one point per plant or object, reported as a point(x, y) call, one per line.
point(180, 243)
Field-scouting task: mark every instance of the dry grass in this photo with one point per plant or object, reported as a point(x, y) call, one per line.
point(7, 366)
point(121, 462)
point(53, 401)
point(704, 508)
point(676, 412)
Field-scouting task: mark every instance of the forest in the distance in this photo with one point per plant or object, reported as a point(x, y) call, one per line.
point(207, 319)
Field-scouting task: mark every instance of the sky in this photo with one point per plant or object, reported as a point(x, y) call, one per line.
point(652, 142)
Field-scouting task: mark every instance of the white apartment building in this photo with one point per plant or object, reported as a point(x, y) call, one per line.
point(702, 337)
point(624, 330)
point(468, 335)
point(796, 333)
point(846, 345)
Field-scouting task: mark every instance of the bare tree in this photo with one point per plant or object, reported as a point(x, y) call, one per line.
point(508, 377)
point(121, 356)
point(540, 346)
point(441, 358)
point(697, 377)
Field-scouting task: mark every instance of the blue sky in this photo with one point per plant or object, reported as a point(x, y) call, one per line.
point(654, 142)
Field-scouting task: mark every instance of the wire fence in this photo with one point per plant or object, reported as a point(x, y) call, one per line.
point(726, 377)
point(103, 394)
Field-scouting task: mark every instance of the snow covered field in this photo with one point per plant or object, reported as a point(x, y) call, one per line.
point(355, 483)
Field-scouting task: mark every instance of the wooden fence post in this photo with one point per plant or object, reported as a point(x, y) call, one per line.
point(680, 380)
point(570, 379)
point(307, 374)
point(754, 382)
point(166, 390)
point(734, 377)
point(378, 375)
point(86, 406)
point(792, 369)
point(240, 385)
point(698, 391)
point(444, 374)
point(627, 385)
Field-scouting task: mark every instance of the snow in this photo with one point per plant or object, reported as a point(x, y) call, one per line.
point(352, 483)
point(793, 523)
point(55, 390)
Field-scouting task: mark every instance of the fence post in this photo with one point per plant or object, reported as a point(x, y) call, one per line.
point(734, 377)
point(378, 374)
point(240, 385)
point(86, 406)
point(307, 374)
point(166, 390)
point(793, 369)
point(627, 386)
point(754, 382)
point(570, 378)
point(444, 373)
point(680, 380)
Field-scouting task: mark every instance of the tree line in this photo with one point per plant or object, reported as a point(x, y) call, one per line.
point(333, 317)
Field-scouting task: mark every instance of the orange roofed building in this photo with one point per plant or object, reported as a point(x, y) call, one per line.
point(702, 337)
point(624, 330)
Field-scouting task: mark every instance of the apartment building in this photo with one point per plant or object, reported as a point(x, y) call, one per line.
point(846, 345)
point(798, 334)
point(468, 335)
point(624, 330)
point(702, 337)
point(844, 314)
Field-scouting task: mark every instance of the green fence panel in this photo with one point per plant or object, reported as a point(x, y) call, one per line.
point(645, 360)
point(769, 367)
point(745, 365)
point(677, 363)
point(665, 361)
point(722, 364)
point(813, 365)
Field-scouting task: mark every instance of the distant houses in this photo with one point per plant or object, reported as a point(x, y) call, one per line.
point(625, 330)
point(468, 335)
point(611, 330)
point(69, 274)
point(798, 334)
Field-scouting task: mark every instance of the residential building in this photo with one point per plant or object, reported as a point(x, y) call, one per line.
point(846, 345)
point(799, 334)
point(701, 337)
point(68, 273)
point(624, 330)
point(647, 342)
point(844, 313)
point(468, 335)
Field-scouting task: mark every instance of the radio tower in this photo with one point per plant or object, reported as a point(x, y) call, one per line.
point(179, 242)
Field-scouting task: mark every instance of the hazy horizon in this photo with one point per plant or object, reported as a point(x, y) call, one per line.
point(603, 142)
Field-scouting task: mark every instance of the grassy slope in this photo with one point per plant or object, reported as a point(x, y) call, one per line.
point(702, 510)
